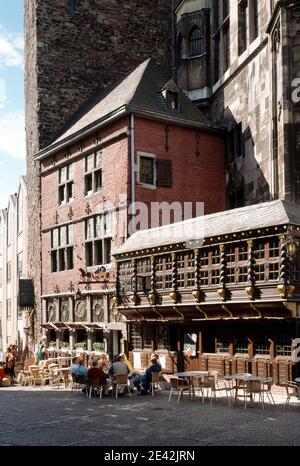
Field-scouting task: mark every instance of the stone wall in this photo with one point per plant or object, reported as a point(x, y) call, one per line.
point(68, 57)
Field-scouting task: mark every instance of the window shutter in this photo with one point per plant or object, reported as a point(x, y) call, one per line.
point(164, 176)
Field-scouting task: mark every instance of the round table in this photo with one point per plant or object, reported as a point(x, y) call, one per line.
point(192, 375)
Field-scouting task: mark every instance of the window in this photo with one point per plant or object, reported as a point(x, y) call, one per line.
point(98, 239)
point(226, 46)
point(72, 5)
point(195, 43)
point(221, 37)
point(172, 100)
point(241, 346)
point(8, 272)
point(66, 185)
point(235, 143)
point(62, 249)
point(248, 11)
point(8, 311)
point(147, 170)
point(178, 57)
point(155, 173)
point(93, 177)
point(262, 346)
point(20, 212)
point(20, 264)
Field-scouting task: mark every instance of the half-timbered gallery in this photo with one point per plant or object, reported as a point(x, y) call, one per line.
point(230, 304)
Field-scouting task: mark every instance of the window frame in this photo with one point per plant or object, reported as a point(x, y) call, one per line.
point(69, 181)
point(62, 251)
point(141, 155)
point(92, 173)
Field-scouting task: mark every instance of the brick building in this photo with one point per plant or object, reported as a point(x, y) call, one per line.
point(72, 49)
point(140, 140)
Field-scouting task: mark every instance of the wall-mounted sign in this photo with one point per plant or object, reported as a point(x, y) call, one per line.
point(190, 344)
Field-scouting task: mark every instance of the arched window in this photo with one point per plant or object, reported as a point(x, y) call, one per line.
point(195, 42)
point(178, 50)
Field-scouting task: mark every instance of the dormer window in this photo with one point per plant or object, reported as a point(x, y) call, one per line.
point(172, 100)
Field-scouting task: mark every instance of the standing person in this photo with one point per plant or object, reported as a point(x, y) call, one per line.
point(10, 363)
point(41, 350)
point(145, 380)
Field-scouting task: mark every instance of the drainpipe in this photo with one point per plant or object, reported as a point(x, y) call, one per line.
point(132, 170)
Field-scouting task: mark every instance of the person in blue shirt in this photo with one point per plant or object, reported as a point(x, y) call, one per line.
point(81, 369)
point(74, 366)
point(145, 380)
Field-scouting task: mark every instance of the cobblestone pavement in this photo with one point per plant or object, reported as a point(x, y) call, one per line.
point(47, 416)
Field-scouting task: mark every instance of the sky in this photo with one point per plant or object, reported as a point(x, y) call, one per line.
point(12, 123)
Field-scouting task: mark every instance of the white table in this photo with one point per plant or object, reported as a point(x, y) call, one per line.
point(191, 375)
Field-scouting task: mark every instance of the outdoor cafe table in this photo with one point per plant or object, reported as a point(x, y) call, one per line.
point(189, 376)
point(65, 374)
point(243, 378)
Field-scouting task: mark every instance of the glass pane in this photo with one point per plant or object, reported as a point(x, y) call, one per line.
point(89, 228)
point(70, 234)
point(89, 162)
point(63, 236)
point(70, 171)
point(55, 238)
point(99, 226)
point(98, 158)
point(147, 170)
point(62, 174)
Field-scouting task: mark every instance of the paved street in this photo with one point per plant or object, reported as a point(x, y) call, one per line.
point(34, 416)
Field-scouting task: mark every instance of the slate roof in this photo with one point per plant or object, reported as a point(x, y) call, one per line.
point(274, 213)
point(139, 92)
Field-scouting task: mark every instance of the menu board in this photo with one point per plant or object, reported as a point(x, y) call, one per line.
point(162, 360)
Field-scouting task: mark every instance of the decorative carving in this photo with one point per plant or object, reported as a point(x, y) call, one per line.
point(88, 209)
point(56, 218)
point(56, 289)
point(134, 299)
point(97, 138)
point(153, 295)
point(70, 213)
point(286, 290)
point(174, 295)
point(53, 161)
point(71, 287)
point(251, 270)
point(222, 290)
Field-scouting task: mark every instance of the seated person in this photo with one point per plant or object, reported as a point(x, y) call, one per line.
point(96, 372)
point(104, 362)
point(81, 370)
point(74, 366)
point(119, 367)
point(127, 362)
point(145, 380)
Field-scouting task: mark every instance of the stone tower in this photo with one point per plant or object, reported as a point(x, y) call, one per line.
point(72, 49)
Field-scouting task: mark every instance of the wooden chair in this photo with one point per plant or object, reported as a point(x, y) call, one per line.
point(156, 382)
point(292, 390)
point(94, 385)
point(205, 383)
point(251, 388)
point(179, 386)
point(122, 382)
point(35, 375)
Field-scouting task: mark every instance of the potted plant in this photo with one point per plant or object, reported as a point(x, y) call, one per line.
point(98, 347)
point(80, 346)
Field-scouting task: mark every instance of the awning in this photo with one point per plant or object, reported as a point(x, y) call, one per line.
point(74, 325)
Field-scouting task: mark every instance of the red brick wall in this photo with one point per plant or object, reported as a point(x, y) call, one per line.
point(115, 180)
point(195, 178)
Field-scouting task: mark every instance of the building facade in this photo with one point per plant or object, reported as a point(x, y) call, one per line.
point(13, 268)
point(73, 49)
point(230, 303)
point(239, 60)
point(140, 143)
